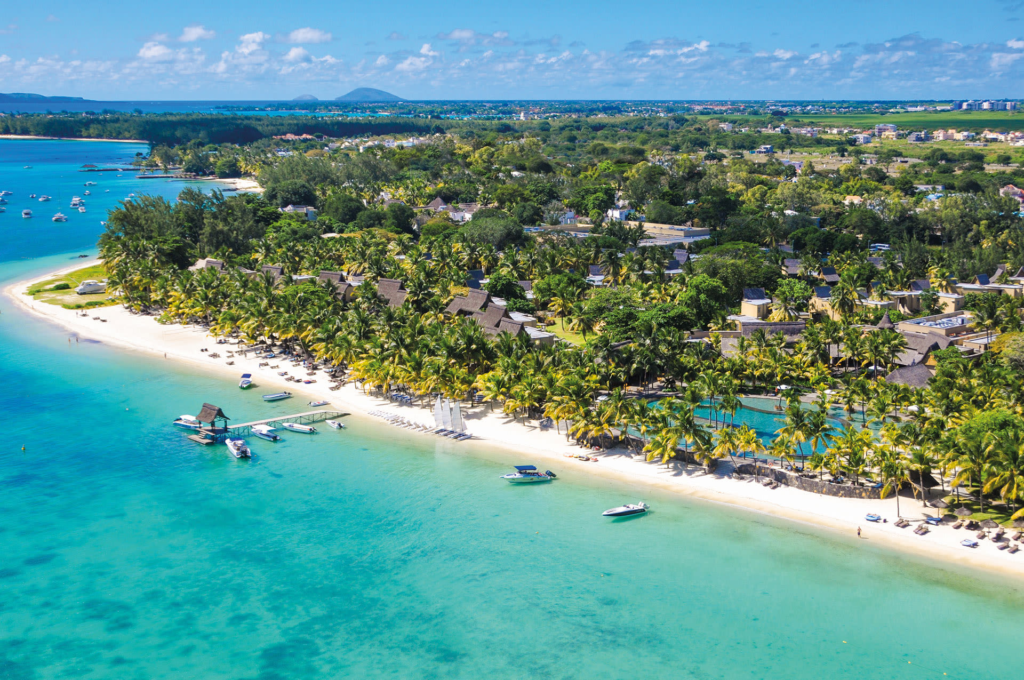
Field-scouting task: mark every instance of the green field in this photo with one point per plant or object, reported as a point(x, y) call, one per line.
point(67, 297)
point(1000, 121)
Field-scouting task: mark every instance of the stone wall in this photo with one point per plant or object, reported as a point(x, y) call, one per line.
point(812, 485)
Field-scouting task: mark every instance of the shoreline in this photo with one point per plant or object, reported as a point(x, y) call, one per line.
point(74, 139)
point(840, 515)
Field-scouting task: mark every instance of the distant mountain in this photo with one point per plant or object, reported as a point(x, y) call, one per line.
point(368, 94)
point(29, 97)
point(305, 98)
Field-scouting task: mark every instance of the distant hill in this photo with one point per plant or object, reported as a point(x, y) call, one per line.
point(305, 98)
point(368, 94)
point(29, 97)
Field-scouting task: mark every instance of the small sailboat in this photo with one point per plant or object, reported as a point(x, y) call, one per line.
point(266, 432)
point(336, 424)
point(26, 214)
point(528, 474)
point(872, 517)
point(188, 423)
point(246, 381)
point(319, 403)
point(238, 448)
point(626, 510)
point(296, 427)
point(277, 396)
point(60, 217)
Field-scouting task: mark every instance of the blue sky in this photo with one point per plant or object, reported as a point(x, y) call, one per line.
point(460, 49)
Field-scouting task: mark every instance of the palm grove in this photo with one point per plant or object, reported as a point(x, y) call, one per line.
point(634, 334)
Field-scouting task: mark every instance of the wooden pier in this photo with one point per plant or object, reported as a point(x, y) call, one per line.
point(300, 418)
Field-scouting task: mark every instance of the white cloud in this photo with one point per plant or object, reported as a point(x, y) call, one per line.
point(427, 51)
point(154, 51)
point(296, 54)
point(195, 32)
point(307, 36)
point(1015, 44)
point(784, 54)
point(395, 35)
point(251, 42)
point(382, 60)
point(4, 59)
point(1003, 60)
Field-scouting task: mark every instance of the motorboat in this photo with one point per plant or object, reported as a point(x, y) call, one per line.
point(266, 432)
point(188, 422)
point(5, 192)
point(26, 214)
point(76, 201)
point(278, 396)
point(871, 517)
point(91, 287)
point(319, 403)
point(81, 208)
point(238, 448)
point(90, 184)
point(528, 474)
point(626, 510)
point(295, 427)
point(246, 381)
point(44, 198)
point(60, 217)
point(969, 543)
point(88, 193)
point(336, 424)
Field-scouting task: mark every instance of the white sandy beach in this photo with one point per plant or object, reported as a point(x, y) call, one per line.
point(242, 184)
point(545, 448)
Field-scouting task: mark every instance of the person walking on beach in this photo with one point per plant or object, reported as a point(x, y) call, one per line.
point(858, 532)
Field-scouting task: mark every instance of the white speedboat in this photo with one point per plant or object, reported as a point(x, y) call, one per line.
point(278, 396)
point(266, 432)
point(296, 427)
point(26, 214)
point(87, 193)
point(528, 474)
point(246, 381)
point(188, 422)
point(31, 195)
point(626, 510)
point(76, 201)
point(238, 448)
point(336, 424)
point(44, 198)
point(319, 403)
point(81, 208)
point(91, 287)
point(60, 217)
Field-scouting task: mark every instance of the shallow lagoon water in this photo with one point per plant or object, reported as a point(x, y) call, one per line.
point(129, 552)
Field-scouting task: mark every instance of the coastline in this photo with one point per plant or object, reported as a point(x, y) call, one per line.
point(75, 139)
point(547, 448)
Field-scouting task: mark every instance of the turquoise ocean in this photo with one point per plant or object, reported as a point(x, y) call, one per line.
point(128, 552)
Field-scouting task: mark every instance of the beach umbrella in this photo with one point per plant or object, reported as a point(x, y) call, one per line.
point(940, 504)
point(963, 512)
point(1019, 523)
point(989, 524)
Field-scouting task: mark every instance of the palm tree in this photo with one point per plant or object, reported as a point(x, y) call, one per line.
point(892, 468)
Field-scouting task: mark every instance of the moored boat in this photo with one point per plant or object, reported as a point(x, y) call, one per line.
point(319, 403)
point(296, 427)
point(528, 474)
point(246, 381)
point(26, 214)
point(188, 422)
point(336, 424)
point(626, 510)
point(238, 448)
point(44, 198)
point(266, 432)
point(872, 517)
point(60, 217)
point(277, 396)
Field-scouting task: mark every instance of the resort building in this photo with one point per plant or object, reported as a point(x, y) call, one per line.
point(343, 289)
point(755, 303)
point(393, 291)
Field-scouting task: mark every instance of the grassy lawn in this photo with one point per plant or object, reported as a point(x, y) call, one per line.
point(574, 338)
point(67, 297)
point(998, 513)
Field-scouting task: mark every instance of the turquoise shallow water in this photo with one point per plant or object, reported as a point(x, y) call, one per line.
point(130, 553)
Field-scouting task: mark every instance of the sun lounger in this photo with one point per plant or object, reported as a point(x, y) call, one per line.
point(958, 524)
point(980, 535)
point(1002, 546)
point(1012, 549)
